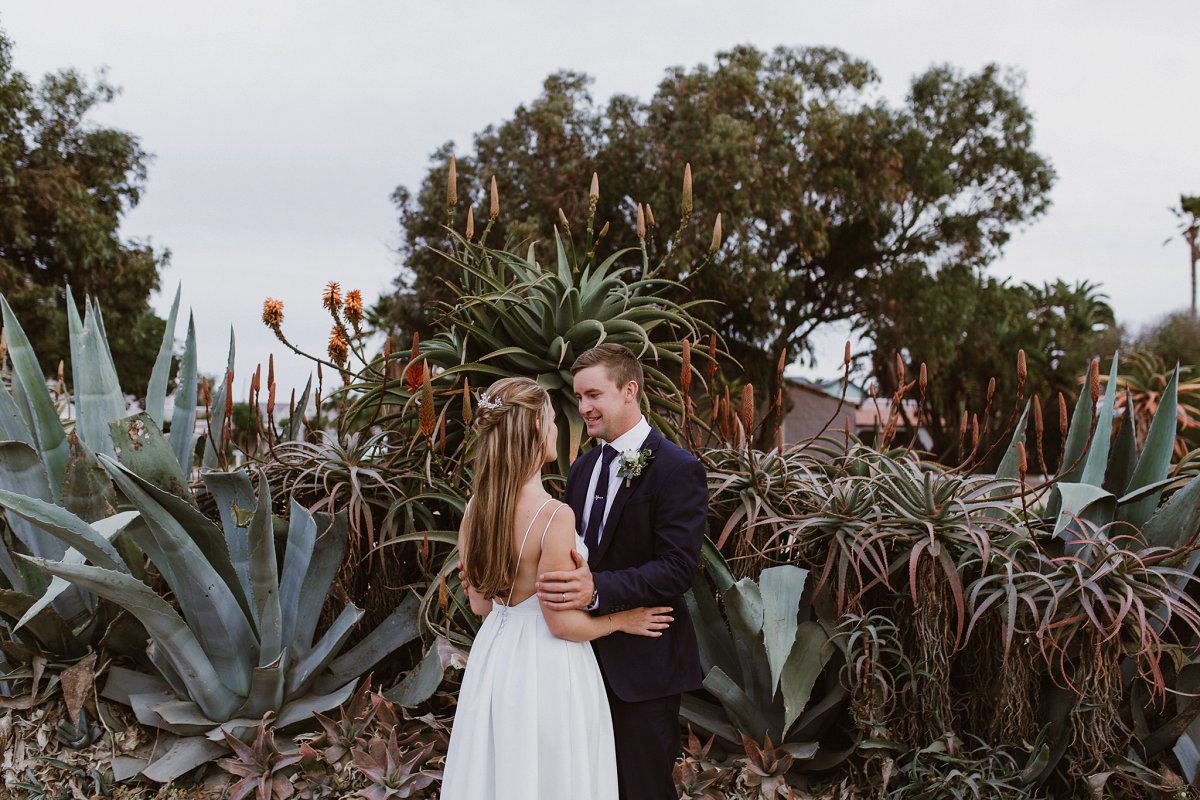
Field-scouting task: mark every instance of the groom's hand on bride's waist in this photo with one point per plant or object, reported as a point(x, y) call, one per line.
point(565, 590)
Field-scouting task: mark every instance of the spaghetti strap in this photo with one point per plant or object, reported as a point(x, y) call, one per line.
point(543, 539)
point(521, 549)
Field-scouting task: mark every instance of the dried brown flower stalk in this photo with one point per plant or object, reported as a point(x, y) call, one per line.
point(748, 407)
point(687, 190)
point(426, 415)
point(685, 371)
point(413, 376)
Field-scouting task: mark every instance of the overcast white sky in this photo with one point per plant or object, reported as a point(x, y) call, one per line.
point(281, 128)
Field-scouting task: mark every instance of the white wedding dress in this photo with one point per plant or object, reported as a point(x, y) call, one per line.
point(532, 720)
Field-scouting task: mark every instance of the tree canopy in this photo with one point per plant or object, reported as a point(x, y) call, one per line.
point(65, 184)
point(967, 328)
point(826, 190)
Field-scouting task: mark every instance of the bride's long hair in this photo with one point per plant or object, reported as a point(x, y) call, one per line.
point(510, 449)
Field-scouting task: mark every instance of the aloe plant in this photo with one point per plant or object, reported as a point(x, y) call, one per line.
point(517, 315)
point(243, 642)
point(43, 458)
point(1112, 601)
point(761, 661)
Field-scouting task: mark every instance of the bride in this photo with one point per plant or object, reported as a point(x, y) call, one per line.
point(533, 718)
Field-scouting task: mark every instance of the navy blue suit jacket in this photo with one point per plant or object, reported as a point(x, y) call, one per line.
point(647, 556)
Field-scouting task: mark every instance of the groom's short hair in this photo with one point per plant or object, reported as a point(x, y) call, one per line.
point(622, 365)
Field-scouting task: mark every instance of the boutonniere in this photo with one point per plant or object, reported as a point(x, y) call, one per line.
point(632, 463)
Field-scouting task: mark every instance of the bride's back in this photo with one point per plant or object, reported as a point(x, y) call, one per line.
point(532, 516)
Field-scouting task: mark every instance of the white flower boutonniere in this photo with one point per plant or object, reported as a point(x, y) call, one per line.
point(631, 464)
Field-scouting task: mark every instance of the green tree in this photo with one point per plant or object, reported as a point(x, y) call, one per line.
point(967, 328)
point(1188, 214)
point(1175, 338)
point(824, 189)
point(65, 184)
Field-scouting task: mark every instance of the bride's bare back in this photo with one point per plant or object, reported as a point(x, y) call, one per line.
point(534, 513)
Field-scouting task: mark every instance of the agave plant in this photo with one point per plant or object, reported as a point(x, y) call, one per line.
point(761, 661)
point(393, 772)
point(698, 775)
point(243, 642)
point(1145, 377)
point(517, 316)
point(42, 458)
point(262, 767)
point(1090, 588)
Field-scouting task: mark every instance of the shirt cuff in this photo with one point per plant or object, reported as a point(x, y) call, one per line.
point(592, 606)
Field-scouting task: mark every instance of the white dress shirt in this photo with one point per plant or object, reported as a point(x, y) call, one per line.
point(631, 439)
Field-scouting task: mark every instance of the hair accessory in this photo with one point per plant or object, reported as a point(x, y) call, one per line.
point(489, 403)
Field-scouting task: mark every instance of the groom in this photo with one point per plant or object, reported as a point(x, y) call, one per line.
point(641, 504)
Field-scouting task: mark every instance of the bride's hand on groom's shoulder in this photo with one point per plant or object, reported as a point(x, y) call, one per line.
point(566, 590)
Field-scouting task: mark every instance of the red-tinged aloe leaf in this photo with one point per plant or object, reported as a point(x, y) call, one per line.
point(956, 590)
point(913, 561)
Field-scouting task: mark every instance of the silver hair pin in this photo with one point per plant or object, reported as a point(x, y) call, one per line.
point(489, 403)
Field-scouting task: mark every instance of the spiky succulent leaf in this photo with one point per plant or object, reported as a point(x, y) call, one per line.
point(264, 578)
point(309, 667)
point(781, 588)
point(208, 602)
point(107, 529)
point(183, 418)
point(322, 566)
point(204, 683)
point(301, 539)
point(1155, 462)
point(66, 527)
point(156, 390)
point(98, 397)
point(144, 451)
point(1123, 459)
point(45, 626)
point(809, 655)
point(236, 502)
point(13, 427)
point(746, 714)
point(34, 401)
point(216, 413)
point(399, 628)
point(1096, 463)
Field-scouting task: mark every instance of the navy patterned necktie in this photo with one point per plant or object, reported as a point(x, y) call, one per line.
point(591, 537)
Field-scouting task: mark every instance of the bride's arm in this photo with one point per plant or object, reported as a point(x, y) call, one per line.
point(580, 626)
point(479, 604)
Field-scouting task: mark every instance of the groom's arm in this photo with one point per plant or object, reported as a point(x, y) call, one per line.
point(679, 520)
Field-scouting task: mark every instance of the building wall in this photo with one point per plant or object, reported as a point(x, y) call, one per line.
point(810, 410)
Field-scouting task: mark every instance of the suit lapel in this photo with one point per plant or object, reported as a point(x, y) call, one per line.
point(577, 499)
point(614, 513)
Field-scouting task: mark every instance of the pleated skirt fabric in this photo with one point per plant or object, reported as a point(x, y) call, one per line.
point(533, 719)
